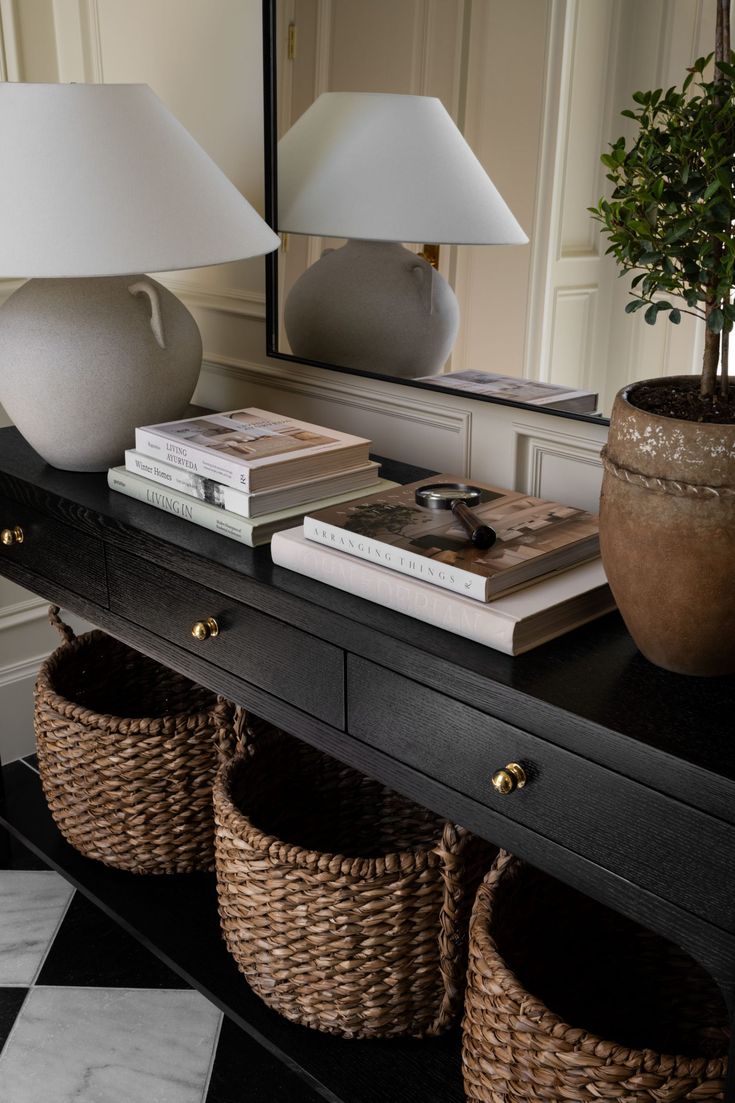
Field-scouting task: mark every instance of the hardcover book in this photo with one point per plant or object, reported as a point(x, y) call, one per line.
point(551, 396)
point(535, 538)
point(256, 504)
point(250, 531)
point(512, 624)
point(252, 449)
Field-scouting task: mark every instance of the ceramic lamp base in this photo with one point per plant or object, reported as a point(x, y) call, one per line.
point(85, 361)
point(374, 306)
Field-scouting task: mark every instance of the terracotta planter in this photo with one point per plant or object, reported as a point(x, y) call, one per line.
point(667, 535)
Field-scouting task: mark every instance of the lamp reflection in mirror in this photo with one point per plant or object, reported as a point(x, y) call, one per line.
point(99, 184)
point(380, 169)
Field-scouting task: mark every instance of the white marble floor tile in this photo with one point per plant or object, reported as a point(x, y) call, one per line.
point(31, 906)
point(104, 1045)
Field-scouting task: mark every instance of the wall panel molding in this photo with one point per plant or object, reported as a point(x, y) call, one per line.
point(20, 671)
point(22, 612)
point(224, 300)
point(91, 41)
point(10, 52)
point(558, 464)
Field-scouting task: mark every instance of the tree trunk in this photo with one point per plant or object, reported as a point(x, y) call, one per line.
point(722, 35)
point(712, 340)
point(725, 358)
point(711, 356)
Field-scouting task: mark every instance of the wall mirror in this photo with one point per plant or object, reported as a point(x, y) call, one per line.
point(536, 87)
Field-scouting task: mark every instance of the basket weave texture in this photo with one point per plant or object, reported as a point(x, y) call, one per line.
point(345, 905)
point(127, 752)
point(536, 945)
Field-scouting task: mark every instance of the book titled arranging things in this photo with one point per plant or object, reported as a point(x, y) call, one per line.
point(535, 538)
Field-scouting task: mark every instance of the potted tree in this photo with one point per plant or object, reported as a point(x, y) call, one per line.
point(667, 515)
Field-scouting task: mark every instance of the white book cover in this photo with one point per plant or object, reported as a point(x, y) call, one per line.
point(238, 501)
point(511, 624)
point(250, 531)
point(252, 449)
point(534, 537)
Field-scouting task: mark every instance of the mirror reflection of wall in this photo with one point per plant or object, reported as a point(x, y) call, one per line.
point(536, 87)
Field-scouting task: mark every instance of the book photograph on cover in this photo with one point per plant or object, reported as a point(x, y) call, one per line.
point(534, 537)
point(245, 435)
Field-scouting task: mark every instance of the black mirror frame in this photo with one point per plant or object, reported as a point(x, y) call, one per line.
point(270, 142)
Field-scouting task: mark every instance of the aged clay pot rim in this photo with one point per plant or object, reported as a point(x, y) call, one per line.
point(628, 391)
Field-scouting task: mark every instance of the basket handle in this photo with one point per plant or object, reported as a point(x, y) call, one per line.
point(66, 633)
point(237, 730)
point(456, 872)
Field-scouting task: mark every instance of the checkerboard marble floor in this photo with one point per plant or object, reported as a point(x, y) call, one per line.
point(88, 1015)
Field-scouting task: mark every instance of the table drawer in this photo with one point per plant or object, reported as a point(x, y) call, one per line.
point(264, 651)
point(53, 550)
point(675, 851)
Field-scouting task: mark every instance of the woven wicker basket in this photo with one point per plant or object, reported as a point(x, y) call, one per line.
point(536, 945)
point(127, 752)
point(345, 905)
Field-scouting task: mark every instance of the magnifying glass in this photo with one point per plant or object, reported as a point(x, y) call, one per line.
point(459, 498)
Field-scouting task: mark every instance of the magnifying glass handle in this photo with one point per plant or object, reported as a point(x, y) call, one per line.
point(480, 534)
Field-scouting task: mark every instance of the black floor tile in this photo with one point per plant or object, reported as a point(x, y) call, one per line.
point(32, 761)
point(177, 916)
point(11, 1001)
point(244, 1071)
point(13, 855)
point(91, 949)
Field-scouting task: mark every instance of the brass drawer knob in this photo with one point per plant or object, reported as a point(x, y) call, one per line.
point(12, 536)
point(511, 778)
point(205, 629)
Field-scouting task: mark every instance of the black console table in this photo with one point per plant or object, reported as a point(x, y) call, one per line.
point(631, 791)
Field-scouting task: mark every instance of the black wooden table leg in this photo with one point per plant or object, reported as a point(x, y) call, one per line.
point(728, 992)
point(730, 1081)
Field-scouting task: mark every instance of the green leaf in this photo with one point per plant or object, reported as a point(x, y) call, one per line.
point(675, 316)
point(710, 191)
point(715, 321)
point(636, 304)
point(651, 315)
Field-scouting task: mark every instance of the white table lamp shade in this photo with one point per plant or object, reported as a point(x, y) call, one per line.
point(385, 167)
point(102, 180)
point(98, 185)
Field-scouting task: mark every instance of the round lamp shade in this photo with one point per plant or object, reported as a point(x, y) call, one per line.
point(384, 167)
point(102, 180)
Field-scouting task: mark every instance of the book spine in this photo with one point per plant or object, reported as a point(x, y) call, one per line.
point(190, 457)
point(434, 606)
point(180, 505)
point(420, 567)
point(187, 482)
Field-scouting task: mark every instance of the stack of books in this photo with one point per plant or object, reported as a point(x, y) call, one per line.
point(245, 474)
point(542, 577)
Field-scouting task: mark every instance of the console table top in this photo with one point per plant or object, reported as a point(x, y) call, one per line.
point(594, 675)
